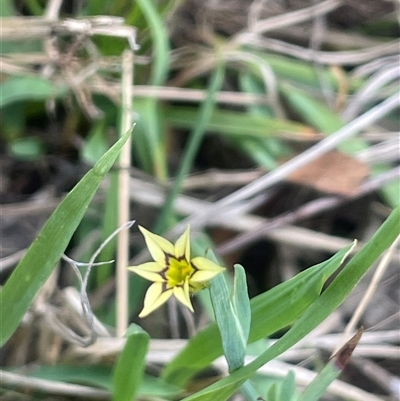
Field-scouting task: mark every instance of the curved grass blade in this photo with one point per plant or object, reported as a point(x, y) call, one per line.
point(149, 133)
point(331, 371)
point(270, 312)
point(330, 299)
point(38, 263)
point(129, 369)
point(232, 323)
point(193, 145)
point(237, 123)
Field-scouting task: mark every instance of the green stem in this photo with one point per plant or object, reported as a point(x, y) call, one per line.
point(191, 149)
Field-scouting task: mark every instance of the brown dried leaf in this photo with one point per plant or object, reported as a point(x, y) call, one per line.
point(333, 172)
point(342, 356)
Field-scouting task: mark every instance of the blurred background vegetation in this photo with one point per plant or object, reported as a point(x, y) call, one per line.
point(224, 93)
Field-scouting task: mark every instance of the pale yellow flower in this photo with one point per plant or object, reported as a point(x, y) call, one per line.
point(172, 271)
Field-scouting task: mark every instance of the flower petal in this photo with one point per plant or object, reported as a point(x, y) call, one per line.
point(158, 246)
point(150, 271)
point(182, 295)
point(155, 297)
point(205, 268)
point(182, 245)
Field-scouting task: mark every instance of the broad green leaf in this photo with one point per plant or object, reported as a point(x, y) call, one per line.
point(23, 88)
point(270, 312)
point(241, 301)
point(130, 365)
point(39, 261)
point(233, 339)
point(323, 306)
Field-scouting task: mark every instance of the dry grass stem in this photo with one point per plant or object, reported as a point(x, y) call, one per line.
point(361, 307)
point(267, 75)
point(348, 57)
point(23, 28)
point(308, 210)
point(10, 379)
point(197, 95)
point(386, 151)
point(305, 376)
point(293, 17)
point(52, 10)
point(123, 195)
point(370, 90)
point(10, 261)
point(282, 172)
point(153, 195)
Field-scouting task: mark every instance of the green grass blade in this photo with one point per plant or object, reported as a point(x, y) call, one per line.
point(330, 299)
point(193, 145)
point(148, 134)
point(319, 116)
point(129, 369)
point(241, 301)
point(236, 123)
point(40, 259)
point(233, 338)
point(160, 37)
point(302, 72)
point(271, 311)
point(331, 371)
point(7, 8)
point(312, 110)
point(150, 147)
point(318, 386)
point(24, 88)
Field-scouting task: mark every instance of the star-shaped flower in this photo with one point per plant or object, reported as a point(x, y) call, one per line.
point(172, 271)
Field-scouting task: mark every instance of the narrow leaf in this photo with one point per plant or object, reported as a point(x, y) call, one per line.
point(233, 340)
point(330, 299)
point(23, 88)
point(270, 312)
point(130, 365)
point(331, 371)
point(39, 261)
point(241, 301)
point(236, 123)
